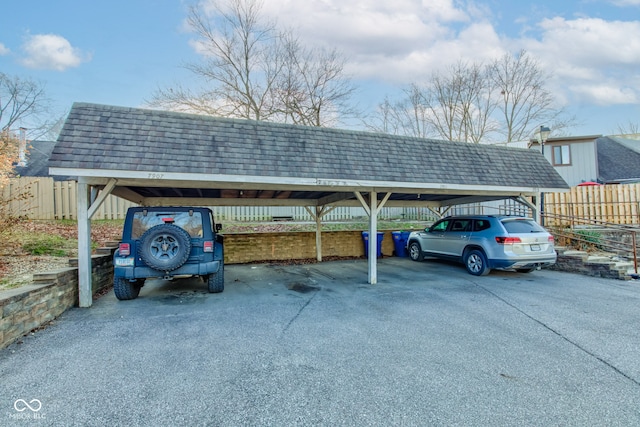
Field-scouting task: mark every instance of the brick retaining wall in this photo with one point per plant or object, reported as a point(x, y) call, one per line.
point(249, 247)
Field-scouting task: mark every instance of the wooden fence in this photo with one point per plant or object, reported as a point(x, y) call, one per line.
point(44, 198)
point(615, 204)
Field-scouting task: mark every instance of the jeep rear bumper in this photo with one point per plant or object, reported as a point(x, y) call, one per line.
point(199, 269)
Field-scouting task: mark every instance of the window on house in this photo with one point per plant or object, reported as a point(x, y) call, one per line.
point(561, 155)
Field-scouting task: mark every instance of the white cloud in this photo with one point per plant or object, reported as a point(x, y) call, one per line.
point(595, 60)
point(404, 41)
point(624, 3)
point(52, 52)
point(398, 41)
point(4, 50)
point(605, 93)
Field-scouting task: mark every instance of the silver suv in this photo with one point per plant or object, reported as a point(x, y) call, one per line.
point(485, 242)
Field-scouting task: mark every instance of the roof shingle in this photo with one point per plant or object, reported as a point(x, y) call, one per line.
point(107, 138)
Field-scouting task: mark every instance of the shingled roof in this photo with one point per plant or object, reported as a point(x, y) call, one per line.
point(618, 160)
point(131, 143)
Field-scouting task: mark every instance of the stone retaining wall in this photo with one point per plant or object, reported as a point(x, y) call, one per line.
point(597, 266)
point(51, 294)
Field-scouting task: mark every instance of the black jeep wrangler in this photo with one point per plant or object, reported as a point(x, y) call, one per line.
point(168, 242)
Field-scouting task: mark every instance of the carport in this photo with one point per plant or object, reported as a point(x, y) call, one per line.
point(164, 158)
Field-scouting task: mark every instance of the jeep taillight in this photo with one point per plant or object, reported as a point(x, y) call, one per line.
point(208, 246)
point(124, 249)
point(508, 240)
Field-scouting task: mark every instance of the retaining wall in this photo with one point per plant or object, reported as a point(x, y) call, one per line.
point(242, 248)
point(51, 294)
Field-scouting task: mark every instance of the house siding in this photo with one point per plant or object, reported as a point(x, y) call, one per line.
point(583, 165)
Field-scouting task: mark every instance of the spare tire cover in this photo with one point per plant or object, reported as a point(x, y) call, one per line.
point(165, 247)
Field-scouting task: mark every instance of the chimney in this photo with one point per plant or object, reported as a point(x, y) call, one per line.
point(22, 147)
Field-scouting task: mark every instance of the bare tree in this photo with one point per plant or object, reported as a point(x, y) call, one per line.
point(630, 128)
point(254, 71)
point(462, 103)
point(506, 100)
point(385, 119)
point(455, 105)
point(313, 88)
point(240, 62)
point(408, 116)
point(23, 103)
point(525, 102)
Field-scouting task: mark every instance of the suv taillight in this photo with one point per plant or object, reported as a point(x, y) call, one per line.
point(124, 249)
point(208, 246)
point(508, 240)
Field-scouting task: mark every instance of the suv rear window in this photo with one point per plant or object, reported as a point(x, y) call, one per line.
point(515, 226)
point(192, 224)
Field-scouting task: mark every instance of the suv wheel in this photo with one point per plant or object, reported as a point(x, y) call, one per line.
point(165, 247)
point(126, 290)
point(215, 281)
point(476, 262)
point(415, 252)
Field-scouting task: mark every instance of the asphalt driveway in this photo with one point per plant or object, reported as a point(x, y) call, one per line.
point(316, 345)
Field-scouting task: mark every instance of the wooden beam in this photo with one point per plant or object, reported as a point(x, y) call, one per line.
point(102, 196)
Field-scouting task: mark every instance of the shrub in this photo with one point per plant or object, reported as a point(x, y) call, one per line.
point(588, 239)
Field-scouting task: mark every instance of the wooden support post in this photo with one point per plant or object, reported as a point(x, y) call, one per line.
point(373, 238)
point(317, 215)
point(85, 294)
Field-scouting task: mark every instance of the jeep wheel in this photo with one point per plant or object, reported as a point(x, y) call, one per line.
point(126, 290)
point(165, 247)
point(215, 281)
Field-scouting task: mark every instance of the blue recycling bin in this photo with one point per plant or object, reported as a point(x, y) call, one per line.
point(365, 239)
point(400, 242)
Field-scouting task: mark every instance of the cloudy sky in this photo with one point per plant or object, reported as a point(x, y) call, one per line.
point(119, 51)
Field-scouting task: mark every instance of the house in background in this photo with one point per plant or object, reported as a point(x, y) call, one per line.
point(594, 158)
point(34, 161)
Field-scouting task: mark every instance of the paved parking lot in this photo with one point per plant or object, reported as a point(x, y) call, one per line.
point(316, 345)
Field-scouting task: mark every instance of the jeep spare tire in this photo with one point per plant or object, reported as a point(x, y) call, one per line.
point(165, 247)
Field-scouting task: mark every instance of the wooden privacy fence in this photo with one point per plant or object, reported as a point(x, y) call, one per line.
point(44, 198)
point(615, 204)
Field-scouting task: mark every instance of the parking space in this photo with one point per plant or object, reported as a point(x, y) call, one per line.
point(316, 345)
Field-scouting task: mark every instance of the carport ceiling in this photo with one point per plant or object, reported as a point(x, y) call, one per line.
point(157, 157)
